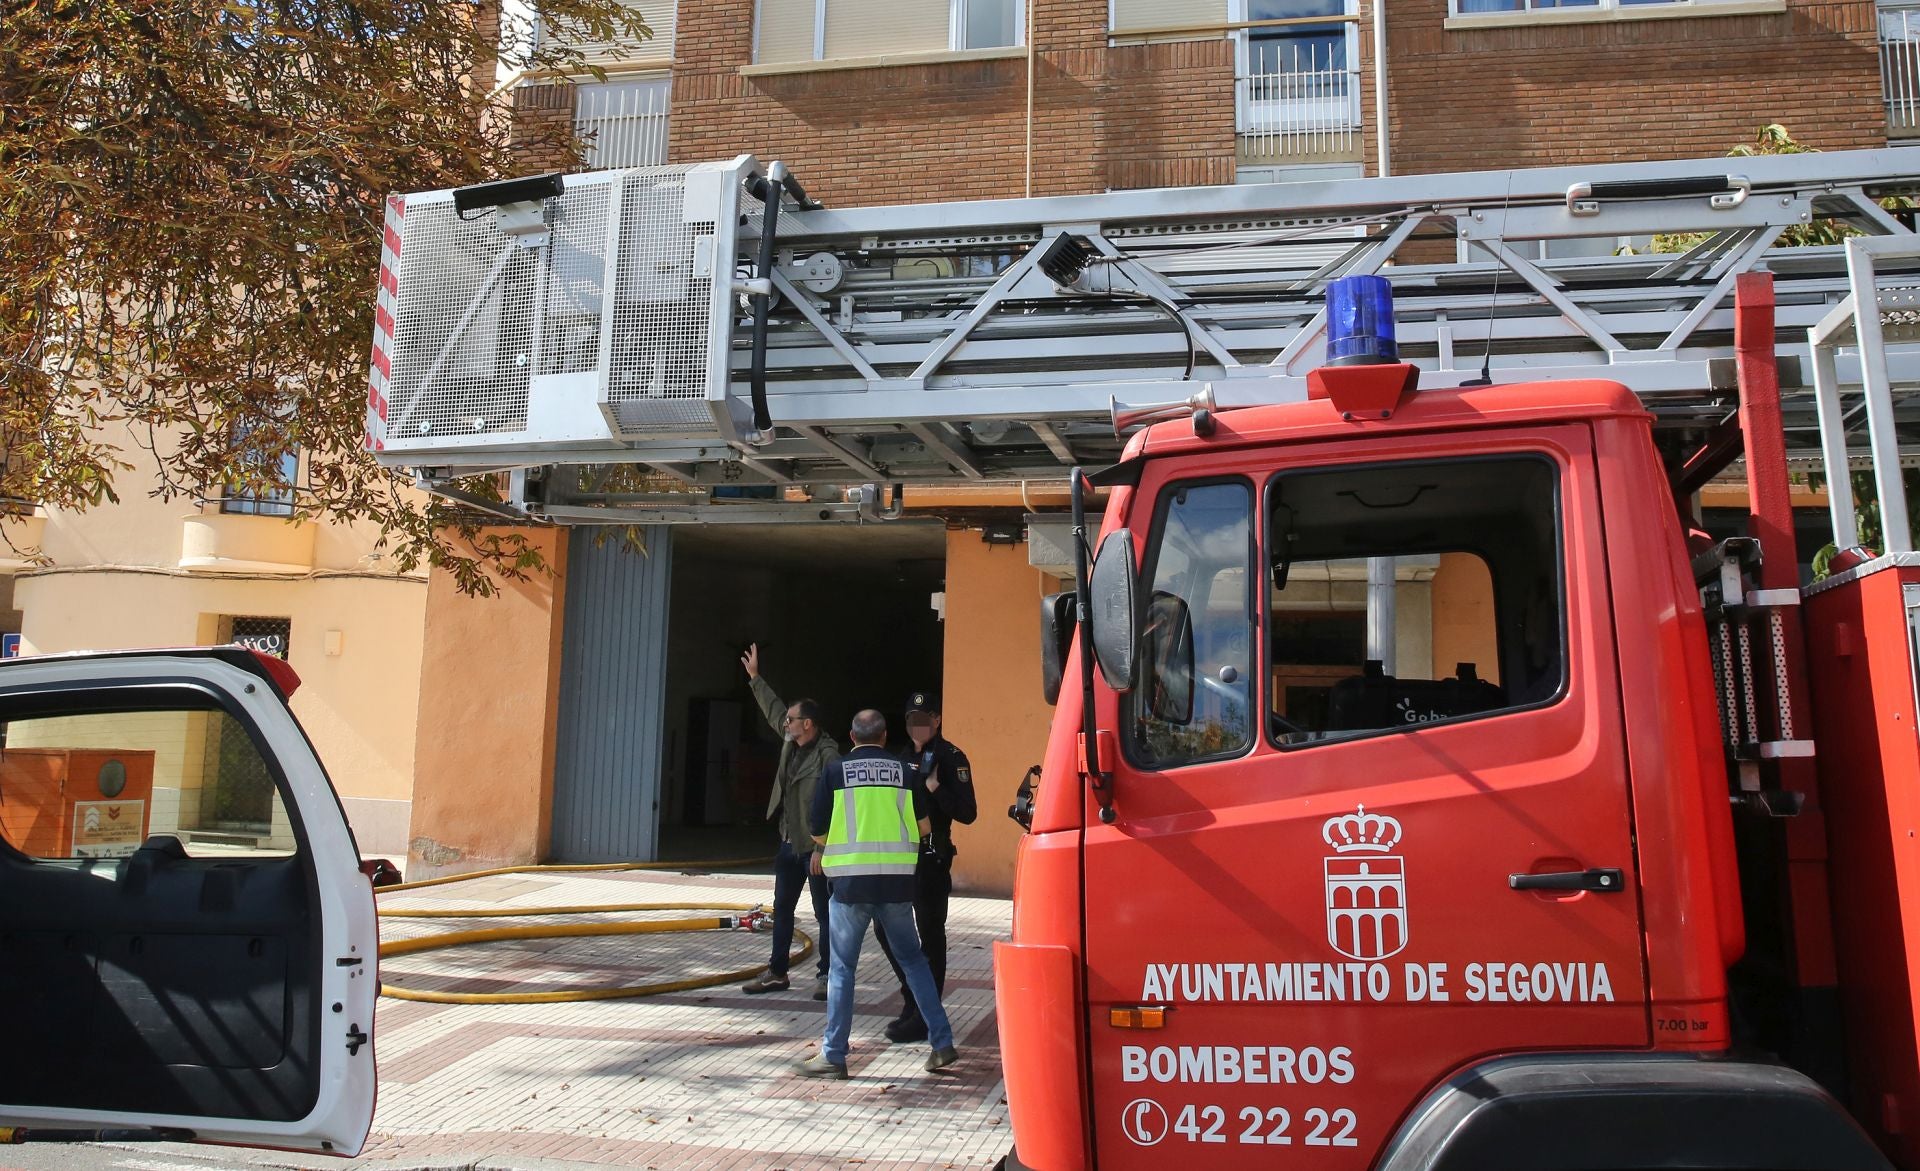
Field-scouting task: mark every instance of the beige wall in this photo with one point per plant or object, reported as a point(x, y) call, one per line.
point(358, 706)
point(489, 696)
point(992, 707)
point(1463, 620)
point(115, 581)
point(142, 530)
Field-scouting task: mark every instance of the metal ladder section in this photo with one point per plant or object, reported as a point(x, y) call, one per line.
point(1894, 319)
point(989, 341)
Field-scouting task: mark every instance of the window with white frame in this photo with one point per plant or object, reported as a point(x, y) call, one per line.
point(1471, 8)
point(986, 24)
point(787, 31)
point(1316, 49)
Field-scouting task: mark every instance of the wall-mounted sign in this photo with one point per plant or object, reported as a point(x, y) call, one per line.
point(108, 829)
point(269, 636)
point(266, 644)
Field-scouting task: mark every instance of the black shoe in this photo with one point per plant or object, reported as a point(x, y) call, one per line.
point(902, 1030)
point(942, 1058)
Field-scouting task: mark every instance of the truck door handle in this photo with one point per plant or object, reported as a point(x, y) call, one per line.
point(1604, 882)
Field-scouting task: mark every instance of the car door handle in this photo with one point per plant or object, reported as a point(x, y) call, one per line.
point(1604, 882)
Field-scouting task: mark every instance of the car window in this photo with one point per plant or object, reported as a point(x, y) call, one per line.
point(98, 784)
point(1192, 697)
point(1465, 558)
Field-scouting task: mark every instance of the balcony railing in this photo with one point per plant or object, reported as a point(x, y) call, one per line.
point(1311, 111)
point(623, 123)
point(1900, 69)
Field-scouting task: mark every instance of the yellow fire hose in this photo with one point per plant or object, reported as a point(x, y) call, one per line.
point(753, 916)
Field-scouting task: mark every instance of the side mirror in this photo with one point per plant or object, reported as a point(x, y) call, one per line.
point(1111, 614)
point(1166, 658)
point(1022, 808)
point(1056, 635)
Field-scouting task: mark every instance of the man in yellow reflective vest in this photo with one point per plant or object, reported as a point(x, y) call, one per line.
point(871, 825)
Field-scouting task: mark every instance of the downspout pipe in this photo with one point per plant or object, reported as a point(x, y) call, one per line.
point(1030, 68)
point(1381, 144)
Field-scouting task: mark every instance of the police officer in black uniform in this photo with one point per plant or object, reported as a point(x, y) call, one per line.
point(941, 772)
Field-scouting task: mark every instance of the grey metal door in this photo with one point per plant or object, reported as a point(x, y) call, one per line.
point(613, 666)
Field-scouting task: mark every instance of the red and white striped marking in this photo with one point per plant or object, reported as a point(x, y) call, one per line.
point(386, 301)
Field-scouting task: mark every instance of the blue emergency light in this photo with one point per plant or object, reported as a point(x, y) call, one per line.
point(1360, 322)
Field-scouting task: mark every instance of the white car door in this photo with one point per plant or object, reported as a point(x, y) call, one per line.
point(188, 949)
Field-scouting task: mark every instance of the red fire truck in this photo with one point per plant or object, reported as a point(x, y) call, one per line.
point(1450, 793)
point(1582, 901)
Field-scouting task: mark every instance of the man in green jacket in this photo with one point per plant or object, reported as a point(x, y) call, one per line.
point(805, 753)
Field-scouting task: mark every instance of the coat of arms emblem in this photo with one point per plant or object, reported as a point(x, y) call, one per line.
point(1366, 886)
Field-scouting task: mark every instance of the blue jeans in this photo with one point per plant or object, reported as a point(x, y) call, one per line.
point(849, 931)
point(790, 874)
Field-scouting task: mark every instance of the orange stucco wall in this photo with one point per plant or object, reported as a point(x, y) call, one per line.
point(489, 684)
point(992, 706)
point(1463, 625)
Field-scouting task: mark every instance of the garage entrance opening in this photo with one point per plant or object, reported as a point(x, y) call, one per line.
point(842, 614)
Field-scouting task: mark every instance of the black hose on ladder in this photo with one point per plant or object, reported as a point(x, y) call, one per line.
point(767, 190)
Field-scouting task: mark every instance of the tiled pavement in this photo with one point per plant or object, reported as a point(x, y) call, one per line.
point(694, 1081)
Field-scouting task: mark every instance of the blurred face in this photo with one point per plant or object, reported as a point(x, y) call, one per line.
point(922, 726)
point(799, 730)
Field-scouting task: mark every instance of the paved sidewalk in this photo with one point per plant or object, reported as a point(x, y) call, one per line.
point(696, 1080)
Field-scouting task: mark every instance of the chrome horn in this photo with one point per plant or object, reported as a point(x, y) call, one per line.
point(1199, 405)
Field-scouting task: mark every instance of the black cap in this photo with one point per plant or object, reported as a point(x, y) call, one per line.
point(923, 701)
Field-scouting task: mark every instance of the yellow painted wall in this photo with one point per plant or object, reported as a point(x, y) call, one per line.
point(358, 706)
point(992, 707)
point(115, 582)
point(489, 692)
point(1463, 625)
point(143, 531)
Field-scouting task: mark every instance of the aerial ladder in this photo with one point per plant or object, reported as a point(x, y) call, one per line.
point(638, 346)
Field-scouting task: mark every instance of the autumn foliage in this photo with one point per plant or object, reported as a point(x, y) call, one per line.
point(190, 218)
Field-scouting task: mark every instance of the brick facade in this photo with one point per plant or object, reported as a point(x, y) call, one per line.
point(1538, 95)
point(1110, 117)
point(542, 123)
point(1140, 116)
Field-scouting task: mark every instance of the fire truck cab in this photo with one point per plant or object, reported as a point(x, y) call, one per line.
point(1480, 906)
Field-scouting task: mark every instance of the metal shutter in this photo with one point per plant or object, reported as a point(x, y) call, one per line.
point(785, 32)
point(871, 28)
point(1132, 14)
point(659, 16)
